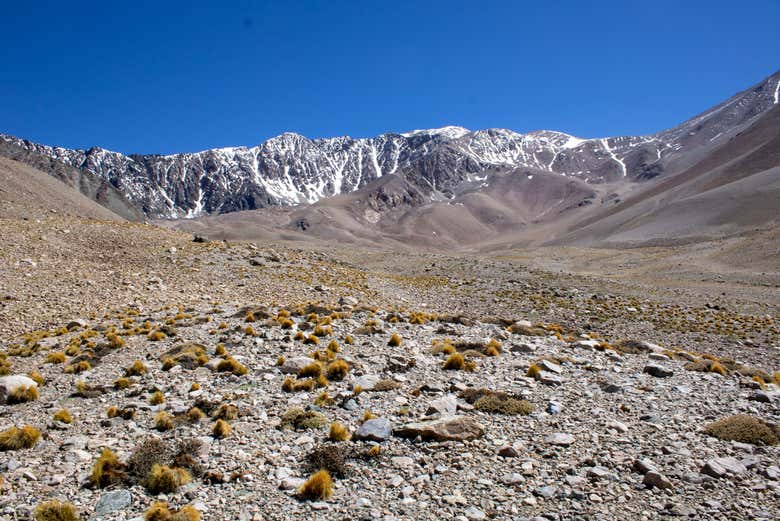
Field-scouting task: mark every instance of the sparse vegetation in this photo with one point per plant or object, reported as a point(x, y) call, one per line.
point(55, 511)
point(337, 370)
point(22, 394)
point(56, 357)
point(157, 398)
point(231, 365)
point(318, 487)
point(136, 369)
point(395, 340)
point(160, 511)
point(63, 416)
point(338, 432)
point(221, 429)
point(744, 429)
point(107, 470)
point(163, 479)
point(298, 419)
point(16, 438)
point(163, 421)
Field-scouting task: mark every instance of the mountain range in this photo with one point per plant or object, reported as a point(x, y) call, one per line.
point(407, 185)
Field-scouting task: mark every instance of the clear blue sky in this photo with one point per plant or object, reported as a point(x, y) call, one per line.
point(164, 77)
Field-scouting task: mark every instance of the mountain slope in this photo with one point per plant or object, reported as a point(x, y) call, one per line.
point(26, 192)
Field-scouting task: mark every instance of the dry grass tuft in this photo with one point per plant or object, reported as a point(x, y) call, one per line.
point(159, 511)
point(313, 370)
point(221, 429)
point(136, 369)
point(57, 357)
point(318, 487)
point(16, 438)
point(163, 421)
point(395, 340)
point(55, 511)
point(337, 370)
point(37, 377)
point(107, 471)
point(157, 398)
point(22, 394)
point(166, 480)
point(338, 432)
point(63, 416)
point(231, 365)
point(122, 383)
point(298, 419)
point(744, 429)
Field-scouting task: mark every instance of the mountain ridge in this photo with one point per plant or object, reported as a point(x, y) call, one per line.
point(291, 169)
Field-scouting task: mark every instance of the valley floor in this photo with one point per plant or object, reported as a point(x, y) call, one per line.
point(687, 300)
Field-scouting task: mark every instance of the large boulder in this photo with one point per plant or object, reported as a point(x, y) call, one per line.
point(378, 429)
point(449, 428)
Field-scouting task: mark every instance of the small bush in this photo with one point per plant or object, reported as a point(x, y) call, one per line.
point(338, 432)
point(324, 400)
point(159, 511)
point(298, 419)
point(122, 383)
point(534, 371)
point(163, 421)
point(107, 471)
point(37, 377)
point(221, 429)
point(78, 367)
point(226, 412)
point(313, 370)
point(337, 370)
point(291, 385)
point(318, 487)
point(349, 340)
point(136, 369)
point(55, 511)
point(150, 452)
point(56, 357)
point(156, 335)
point(220, 350)
point(16, 438)
point(311, 339)
point(455, 362)
point(395, 340)
point(166, 480)
point(22, 394)
point(63, 416)
point(231, 365)
point(744, 429)
point(194, 415)
point(157, 398)
point(501, 403)
point(328, 457)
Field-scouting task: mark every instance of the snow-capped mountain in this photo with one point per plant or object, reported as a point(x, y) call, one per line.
point(291, 169)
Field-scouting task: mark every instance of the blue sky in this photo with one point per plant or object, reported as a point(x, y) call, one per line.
point(164, 77)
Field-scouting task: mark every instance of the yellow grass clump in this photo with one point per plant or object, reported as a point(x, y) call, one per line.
point(16, 438)
point(318, 487)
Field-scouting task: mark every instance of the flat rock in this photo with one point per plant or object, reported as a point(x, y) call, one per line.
point(293, 365)
point(559, 438)
point(452, 428)
point(658, 371)
point(720, 467)
point(367, 382)
point(657, 480)
point(378, 429)
point(113, 501)
point(446, 405)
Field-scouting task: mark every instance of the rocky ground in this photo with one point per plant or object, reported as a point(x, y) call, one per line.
point(603, 428)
